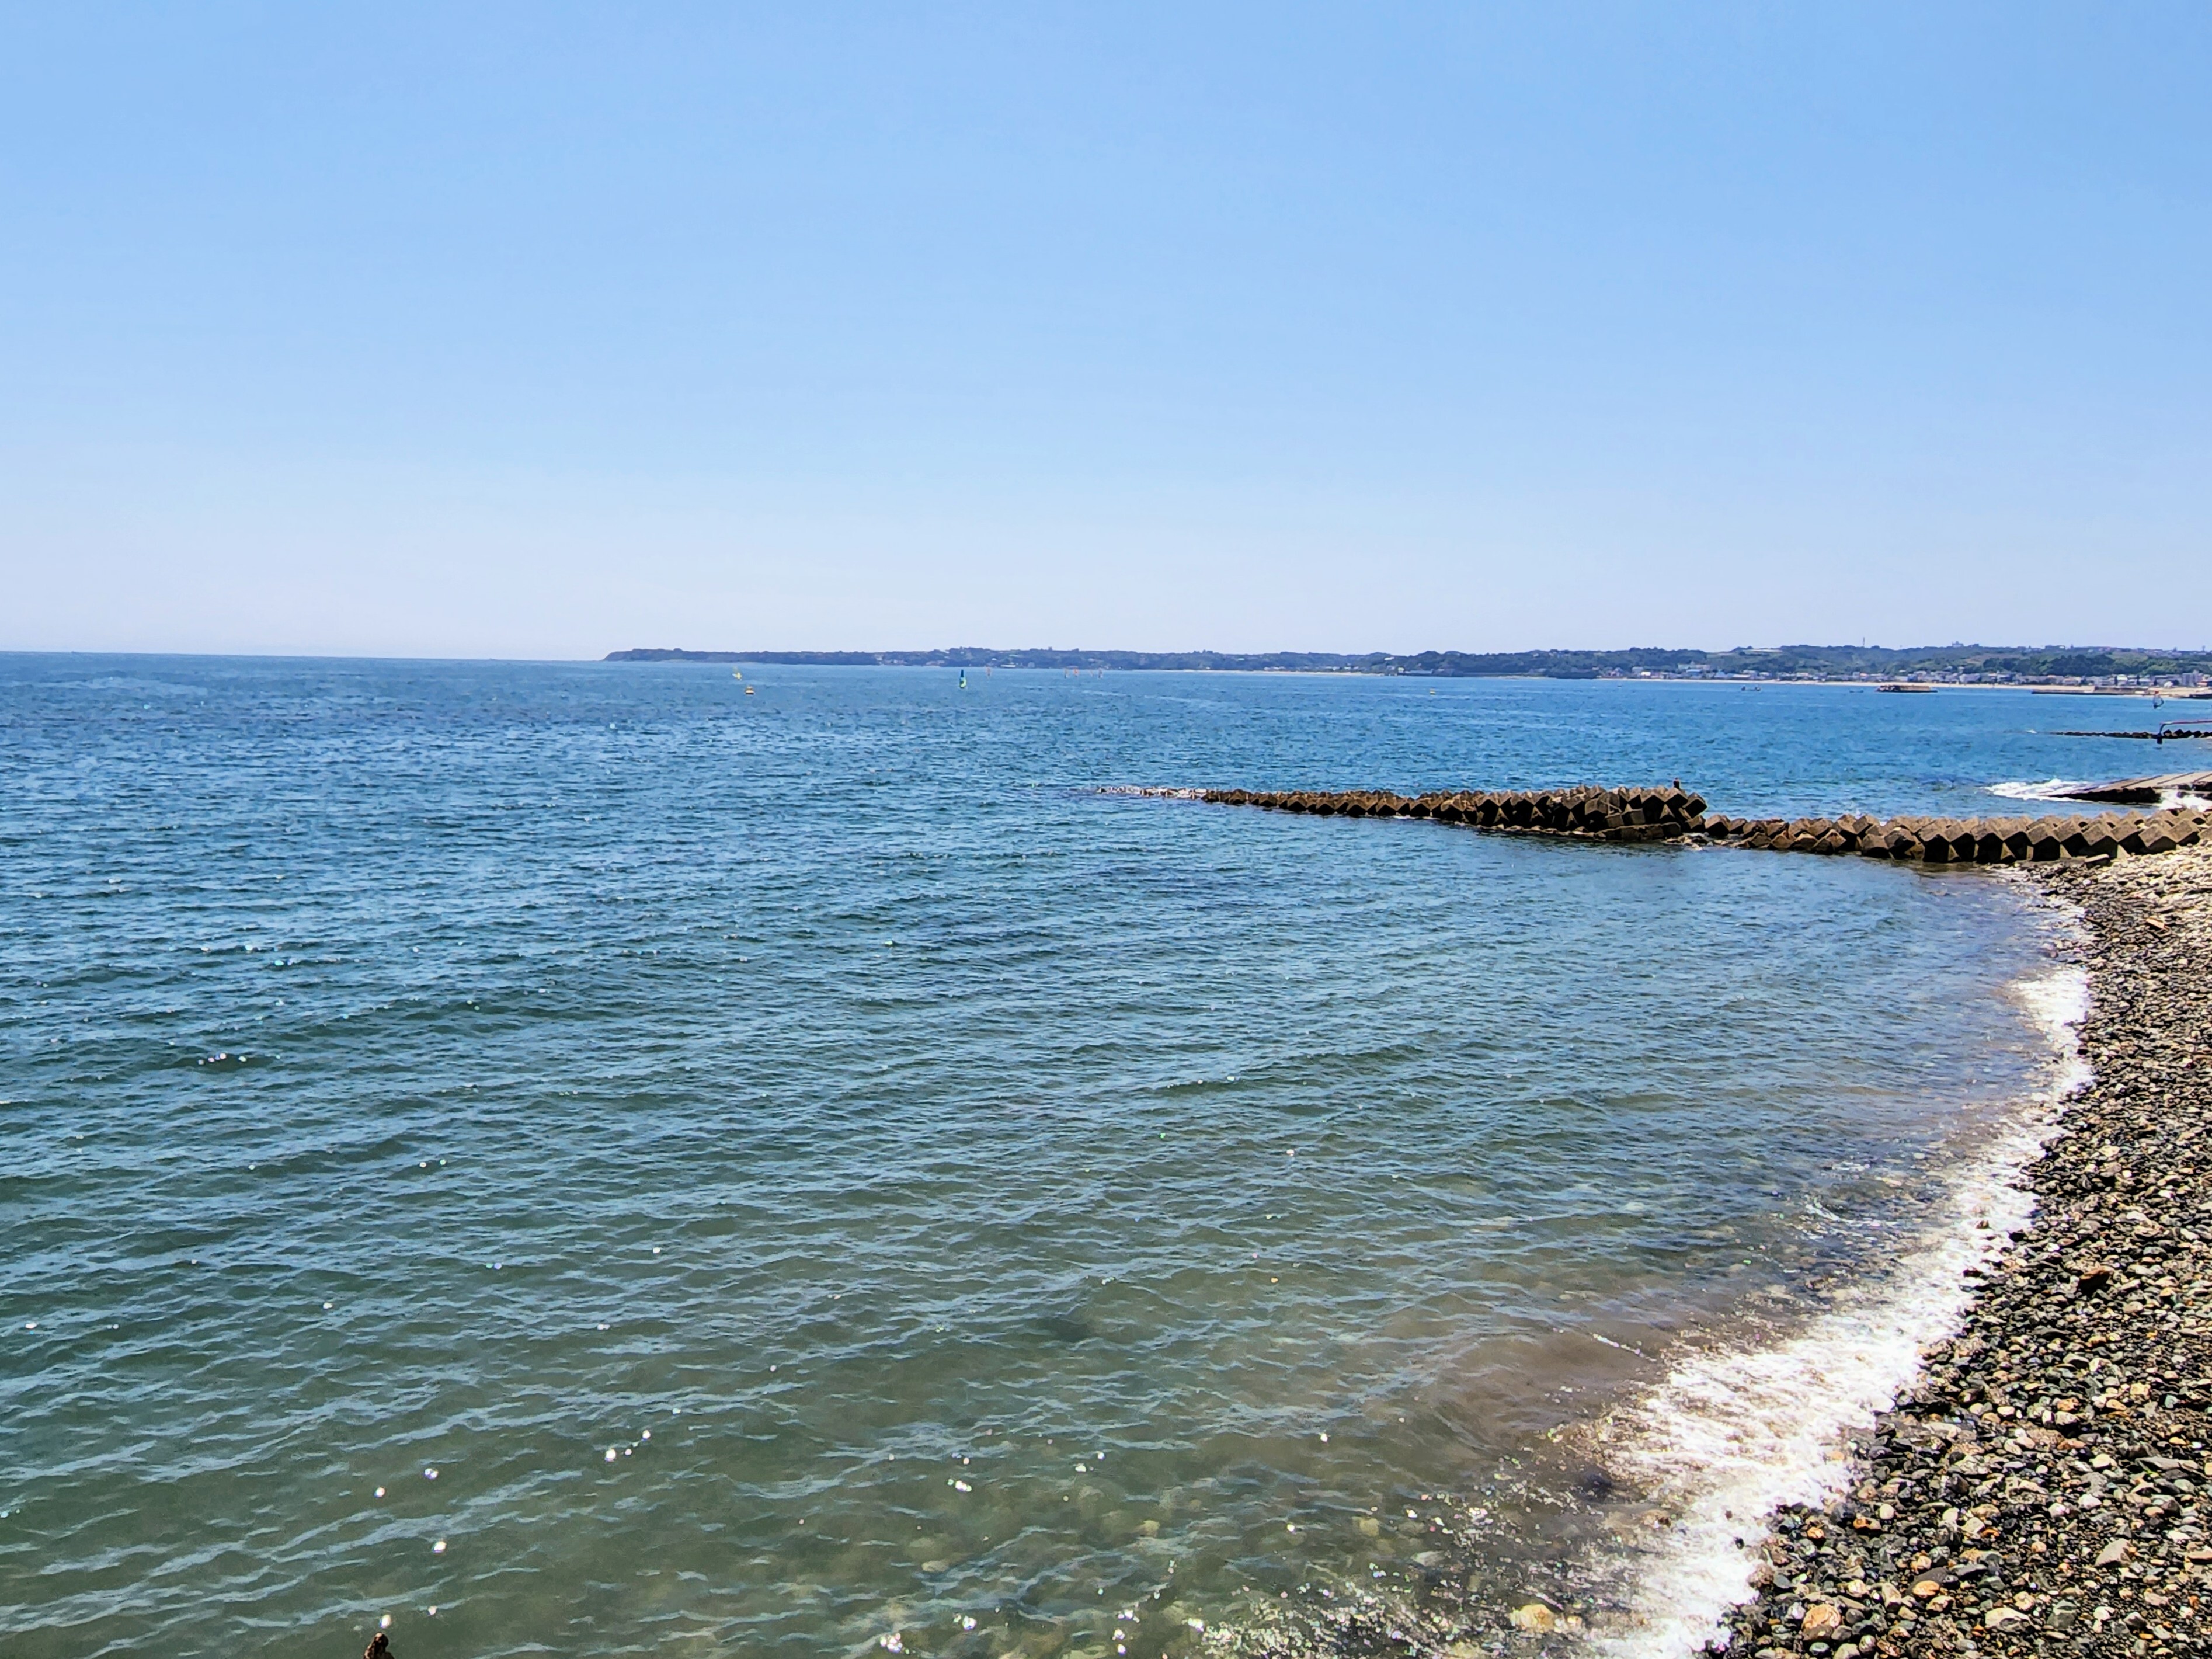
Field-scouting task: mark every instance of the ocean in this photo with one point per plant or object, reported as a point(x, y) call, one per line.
point(604, 1158)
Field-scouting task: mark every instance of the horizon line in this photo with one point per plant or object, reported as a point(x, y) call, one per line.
point(791, 655)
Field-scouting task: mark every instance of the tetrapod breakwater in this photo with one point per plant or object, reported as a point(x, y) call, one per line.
point(1969, 840)
point(1670, 812)
point(1590, 812)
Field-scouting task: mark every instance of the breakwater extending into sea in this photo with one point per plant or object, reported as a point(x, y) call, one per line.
point(1593, 812)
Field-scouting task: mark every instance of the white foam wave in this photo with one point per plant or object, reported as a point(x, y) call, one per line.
point(1729, 1435)
point(2049, 789)
point(2058, 1001)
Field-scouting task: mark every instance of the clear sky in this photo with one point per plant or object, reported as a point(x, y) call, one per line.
point(544, 329)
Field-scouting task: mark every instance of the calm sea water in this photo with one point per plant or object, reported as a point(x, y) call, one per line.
point(637, 1167)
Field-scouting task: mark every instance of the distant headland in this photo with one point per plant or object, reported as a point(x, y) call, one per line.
point(1942, 664)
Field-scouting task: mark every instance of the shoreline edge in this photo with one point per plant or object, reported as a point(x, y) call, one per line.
point(2039, 1487)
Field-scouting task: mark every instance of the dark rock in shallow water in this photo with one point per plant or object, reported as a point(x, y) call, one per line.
point(1067, 1328)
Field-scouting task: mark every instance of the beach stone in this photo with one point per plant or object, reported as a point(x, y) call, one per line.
point(1821, 1621)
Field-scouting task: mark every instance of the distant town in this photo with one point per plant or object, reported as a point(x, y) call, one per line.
point(2089, 668)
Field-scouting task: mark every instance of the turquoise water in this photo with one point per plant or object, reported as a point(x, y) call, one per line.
point(814, 1169)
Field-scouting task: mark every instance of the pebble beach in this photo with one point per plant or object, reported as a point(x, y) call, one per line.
point(2041, 1488)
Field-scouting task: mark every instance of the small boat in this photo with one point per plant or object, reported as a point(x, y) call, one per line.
point(748, 691)
point(1903, 685)
point(737, 673)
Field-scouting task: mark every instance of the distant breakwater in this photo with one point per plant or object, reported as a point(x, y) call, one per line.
point(1591, 812)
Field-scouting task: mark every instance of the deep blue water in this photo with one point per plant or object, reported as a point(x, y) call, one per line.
point(810, 1168)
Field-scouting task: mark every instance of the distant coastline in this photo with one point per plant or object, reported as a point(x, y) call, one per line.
point(2109, 667)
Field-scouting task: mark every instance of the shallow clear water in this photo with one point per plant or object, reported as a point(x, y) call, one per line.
point(809, 1168)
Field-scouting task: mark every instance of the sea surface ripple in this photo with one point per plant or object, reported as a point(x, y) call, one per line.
point(636, 1166)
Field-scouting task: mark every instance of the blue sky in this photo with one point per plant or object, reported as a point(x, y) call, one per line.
point(542, 331)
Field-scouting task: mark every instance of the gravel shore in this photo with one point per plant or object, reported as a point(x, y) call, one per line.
point(2042, 1488)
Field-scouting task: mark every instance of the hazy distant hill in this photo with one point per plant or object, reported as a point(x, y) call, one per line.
point(974, 656)
point(1837, 660)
